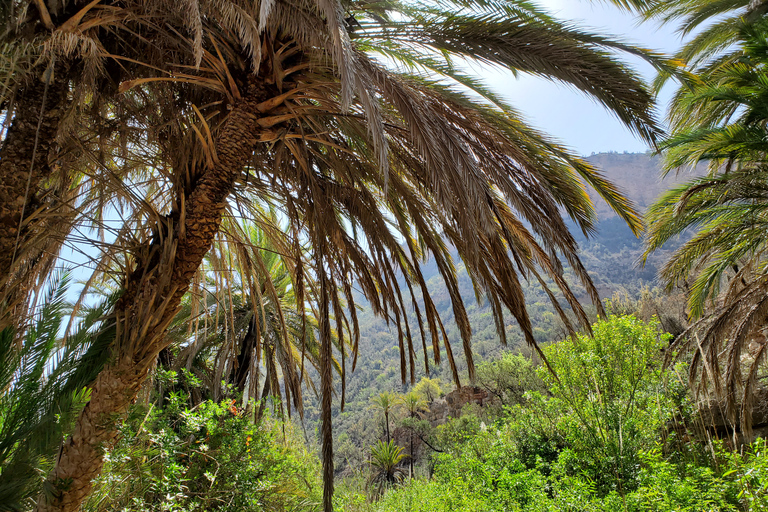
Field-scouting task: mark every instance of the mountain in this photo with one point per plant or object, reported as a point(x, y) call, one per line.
point(613, 255)
point(638, 175)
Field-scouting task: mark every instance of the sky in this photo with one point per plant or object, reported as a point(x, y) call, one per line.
point(573, 118)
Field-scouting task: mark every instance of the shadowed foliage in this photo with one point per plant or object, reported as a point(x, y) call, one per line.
point(43, 382)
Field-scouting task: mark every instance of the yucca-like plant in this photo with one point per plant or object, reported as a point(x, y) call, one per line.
point(386, 472)
point(348, 117)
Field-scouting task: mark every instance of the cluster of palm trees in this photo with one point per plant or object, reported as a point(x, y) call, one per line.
point(158, 138)
point(385, 457)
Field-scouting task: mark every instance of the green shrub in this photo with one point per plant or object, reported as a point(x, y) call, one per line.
point(209, 458)
point(595, 440)
point(431, 496)
point(611, 385)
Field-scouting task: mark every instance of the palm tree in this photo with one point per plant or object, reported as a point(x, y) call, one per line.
point(385, 458)
point(725, 116)
point(384, 402)
point(412, 402)
point(247, 318)
point(42, 390)
point(373, 165)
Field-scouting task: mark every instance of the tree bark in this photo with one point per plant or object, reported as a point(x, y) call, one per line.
point(410, 458)
point(151, 298)
point(26, 159)
point(238, 377)
point(326, 379)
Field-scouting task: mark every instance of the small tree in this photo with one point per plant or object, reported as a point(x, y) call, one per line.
point(384, 458)
point(611, 384)
point(384, 402)
point(412, 402)
point(428, 389)
point(509, 378)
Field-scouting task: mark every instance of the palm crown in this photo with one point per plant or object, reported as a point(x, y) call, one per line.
point(721, 121)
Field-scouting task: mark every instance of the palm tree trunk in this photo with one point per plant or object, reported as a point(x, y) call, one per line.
point(264, 395)
point(151, 298)
point(326, 380)
point(25, 158)
point(238, 376)
point(410, 459)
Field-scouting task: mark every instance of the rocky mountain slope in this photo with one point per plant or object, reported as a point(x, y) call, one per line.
point(639, 175)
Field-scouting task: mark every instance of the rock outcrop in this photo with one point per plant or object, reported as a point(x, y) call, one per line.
point(451, 405)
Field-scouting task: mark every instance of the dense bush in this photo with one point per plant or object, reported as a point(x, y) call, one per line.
point(613, 401)
point(593, 440)
point(209, 458)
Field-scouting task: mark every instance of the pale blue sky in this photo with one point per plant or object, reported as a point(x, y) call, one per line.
point(573, 118)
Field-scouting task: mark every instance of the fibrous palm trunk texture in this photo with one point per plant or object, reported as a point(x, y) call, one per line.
point(26, 161)
point(152, 297)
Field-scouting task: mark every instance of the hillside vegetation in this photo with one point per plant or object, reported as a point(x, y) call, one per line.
point(611, 256)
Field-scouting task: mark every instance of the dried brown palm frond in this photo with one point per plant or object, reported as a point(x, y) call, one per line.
point(465, 199)
point(47, 73)
point(60, 67)
point(728, 345)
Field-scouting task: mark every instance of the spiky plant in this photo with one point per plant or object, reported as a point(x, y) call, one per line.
point(386, 472)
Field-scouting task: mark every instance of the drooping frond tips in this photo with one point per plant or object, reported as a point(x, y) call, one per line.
point(191, 9)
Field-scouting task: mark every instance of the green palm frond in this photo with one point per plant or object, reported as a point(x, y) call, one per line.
point(715, 27)
point(719, 119)
point(528, 42)
point(44, 387)
point(385, 458)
